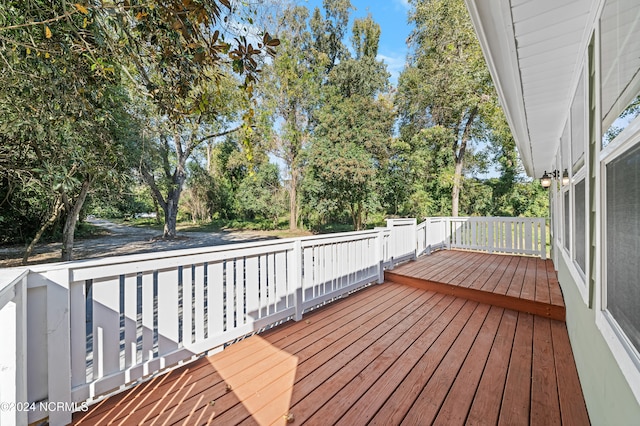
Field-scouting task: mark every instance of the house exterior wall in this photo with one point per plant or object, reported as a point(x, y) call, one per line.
point(607, 394)
point(592, 124)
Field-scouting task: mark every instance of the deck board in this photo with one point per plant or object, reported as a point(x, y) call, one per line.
point(526, 284)
point(545, 409)
point(388, 354)
point(485, 407)
point(426, 406)
point(455, 408)
point(516, 398)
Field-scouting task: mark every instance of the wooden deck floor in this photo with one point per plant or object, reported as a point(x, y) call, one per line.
point(389, 354)
point(525, 284)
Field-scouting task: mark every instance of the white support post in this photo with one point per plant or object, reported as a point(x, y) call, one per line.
point(380, 254)
point(543, 239)
point(13, 356)
point(490, 235)
point(296, 279)
point(414, 233)
point(59, 345)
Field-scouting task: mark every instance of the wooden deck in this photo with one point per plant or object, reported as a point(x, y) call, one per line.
point(389, 354)
point(525, 284)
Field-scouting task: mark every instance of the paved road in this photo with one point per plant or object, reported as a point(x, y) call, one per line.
point(123, 239)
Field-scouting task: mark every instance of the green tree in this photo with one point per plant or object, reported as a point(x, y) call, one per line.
point(329, 31)
point(291, 90)
point(173, 52)
point(260, 195)
point(353, 131)
point(63, 113)
point(447, 83)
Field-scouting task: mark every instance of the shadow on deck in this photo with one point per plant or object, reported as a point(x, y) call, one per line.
point(388, 354)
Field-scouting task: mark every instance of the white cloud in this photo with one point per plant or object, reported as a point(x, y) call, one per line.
point(395, 64)
point(403, 3)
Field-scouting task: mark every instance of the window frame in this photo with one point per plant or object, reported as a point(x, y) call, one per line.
point(625, 353)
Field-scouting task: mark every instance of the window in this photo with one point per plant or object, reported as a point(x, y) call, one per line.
point(567, 223)
point(578, 119)
point(579, 223)
point(620, 65)
point(623, 242)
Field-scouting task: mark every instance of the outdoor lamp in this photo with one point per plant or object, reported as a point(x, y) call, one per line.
point(545, 180)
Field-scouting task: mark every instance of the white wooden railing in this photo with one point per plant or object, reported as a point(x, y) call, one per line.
point(97, 326)
point(13, 333)
point(513, 235)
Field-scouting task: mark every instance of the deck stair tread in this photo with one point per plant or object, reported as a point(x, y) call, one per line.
point(525, 284)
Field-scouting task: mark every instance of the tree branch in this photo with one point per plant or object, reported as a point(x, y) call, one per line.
point(46, 21)
point(226, 132)
point(57, 209)
point(191, 147)
point(149, 179)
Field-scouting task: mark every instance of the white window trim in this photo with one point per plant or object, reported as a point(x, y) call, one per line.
point(578, 275)
point(575, 179)
point(625, 354)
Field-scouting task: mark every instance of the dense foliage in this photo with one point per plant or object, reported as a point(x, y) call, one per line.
point(183, 109)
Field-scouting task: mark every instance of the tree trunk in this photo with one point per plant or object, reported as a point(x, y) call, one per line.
point(54, 216)
point(455, 192)
point(458, 155)
point(170, 220)
point(73, 210)
point(356, 216)
point(293, 200)
point(171, 207)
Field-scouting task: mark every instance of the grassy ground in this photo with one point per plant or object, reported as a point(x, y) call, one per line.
point(217, 226)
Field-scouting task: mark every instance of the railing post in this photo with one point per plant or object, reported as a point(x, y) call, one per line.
point(59, 344)
point(414, 233)
point(380, 254)
point(296, 272)
point(490, 236)
point(543, 238)
point(391, 248)
point(13, 356)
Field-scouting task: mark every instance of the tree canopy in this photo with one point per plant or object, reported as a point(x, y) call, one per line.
point(192, 110)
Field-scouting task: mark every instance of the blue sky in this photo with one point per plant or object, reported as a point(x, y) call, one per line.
point(391, 15)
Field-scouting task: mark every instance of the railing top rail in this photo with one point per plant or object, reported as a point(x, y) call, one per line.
point(8, 280)
point(10, 277)
point(495, 218)
point(401, 221)
point(273, 244)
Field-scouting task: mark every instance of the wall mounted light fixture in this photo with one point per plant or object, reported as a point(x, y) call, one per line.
point(545, 180)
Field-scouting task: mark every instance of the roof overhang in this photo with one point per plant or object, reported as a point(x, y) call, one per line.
point(534, 51)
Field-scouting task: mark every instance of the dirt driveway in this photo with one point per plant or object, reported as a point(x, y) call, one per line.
point(123, 239)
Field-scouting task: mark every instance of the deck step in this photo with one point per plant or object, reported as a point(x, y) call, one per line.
point(409, 275)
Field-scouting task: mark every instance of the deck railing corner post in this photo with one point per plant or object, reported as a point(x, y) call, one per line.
point(59, 345)
point(297, 280)
point(490, 236)
point(543, 238)
point(414, 233)
point(380, 254)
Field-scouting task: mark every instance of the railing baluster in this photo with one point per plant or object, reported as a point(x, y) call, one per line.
point(129, 297)
point(199, 302)
point(168, 311)
point(216, 295)
point(253, 303)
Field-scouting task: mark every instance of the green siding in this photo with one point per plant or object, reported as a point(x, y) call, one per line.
point(609, 398)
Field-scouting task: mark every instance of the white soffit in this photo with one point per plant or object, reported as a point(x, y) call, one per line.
point(534, 50)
